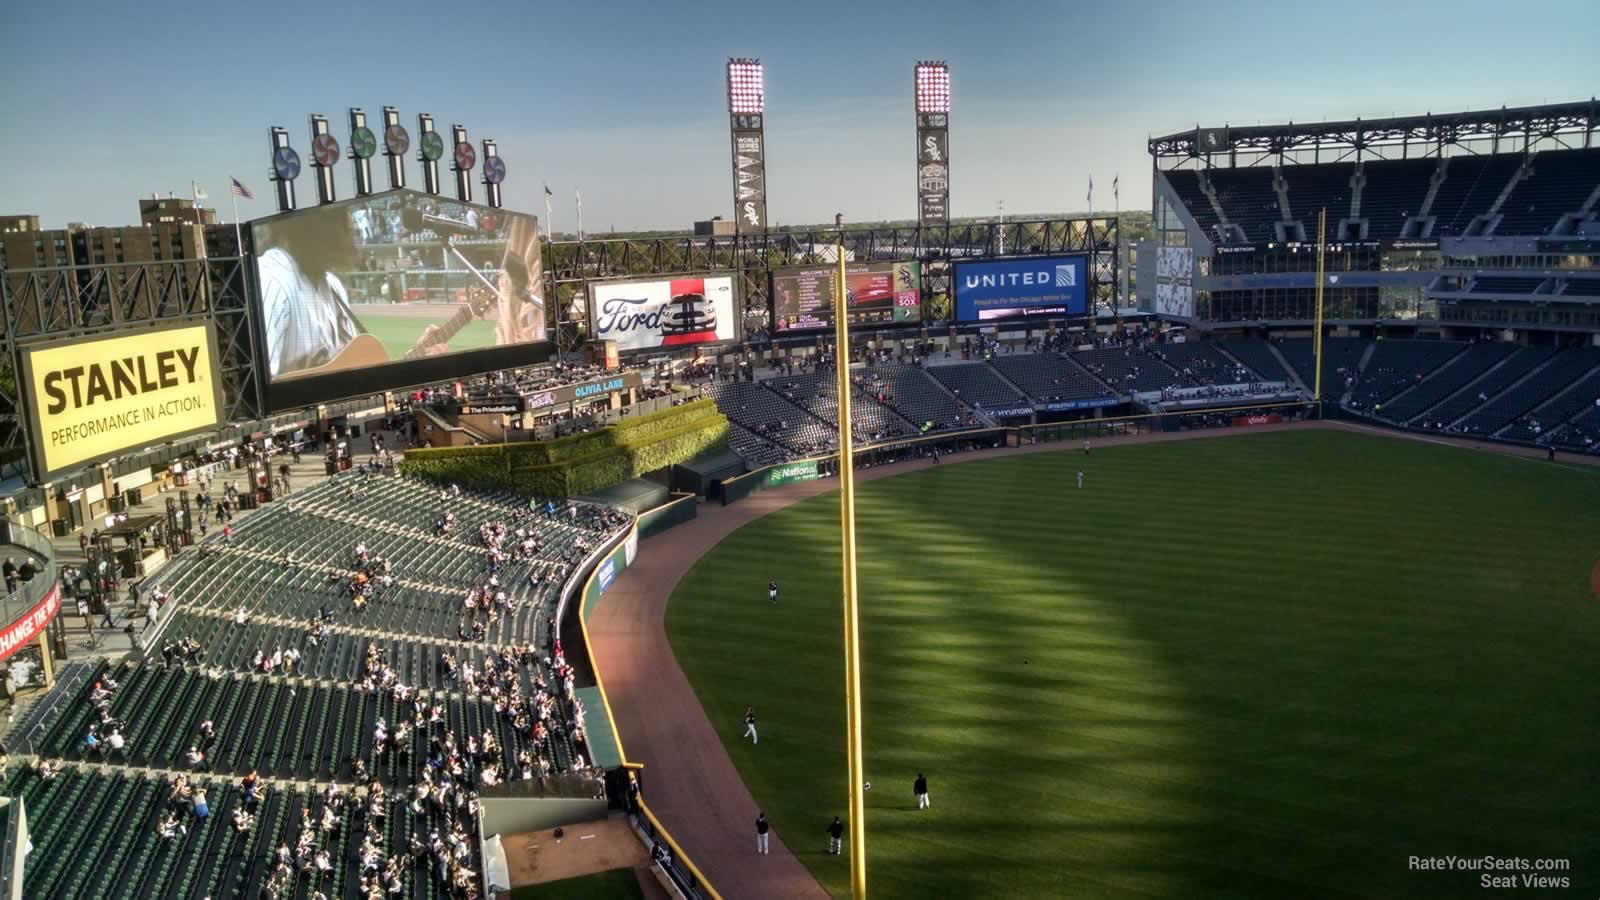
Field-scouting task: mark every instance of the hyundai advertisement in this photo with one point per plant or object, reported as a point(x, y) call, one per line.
point(1015, 288)
point(645, 315)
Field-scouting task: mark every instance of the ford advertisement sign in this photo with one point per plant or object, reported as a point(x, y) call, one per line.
point(646, 315)
point(1013, 288)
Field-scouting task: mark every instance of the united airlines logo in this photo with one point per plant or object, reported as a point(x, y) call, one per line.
point(1066, 276)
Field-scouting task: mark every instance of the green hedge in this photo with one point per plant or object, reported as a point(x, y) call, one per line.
point(612, 465)
point(577, 446)
point(442, 452)
point(580, 463)
point(665, 420)
point(470, 471)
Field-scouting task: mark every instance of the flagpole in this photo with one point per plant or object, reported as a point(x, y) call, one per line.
point(1116, 205)
point(549, 217)
point(580, 214)
point(1322, 244)
point(238, 235)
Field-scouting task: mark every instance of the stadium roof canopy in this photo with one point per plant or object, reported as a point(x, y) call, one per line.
point(1504, 129)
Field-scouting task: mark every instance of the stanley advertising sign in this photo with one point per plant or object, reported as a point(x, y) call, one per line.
point(98, 397)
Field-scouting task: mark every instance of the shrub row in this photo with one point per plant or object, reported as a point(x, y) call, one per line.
point(582, 463)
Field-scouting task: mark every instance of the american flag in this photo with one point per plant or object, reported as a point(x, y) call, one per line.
point(240, 190)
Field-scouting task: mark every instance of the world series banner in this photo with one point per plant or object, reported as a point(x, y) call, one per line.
point(933, 169)
point(95, 398)
point(750, 179)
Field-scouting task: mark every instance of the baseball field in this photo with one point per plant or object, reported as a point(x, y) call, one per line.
point(399, 327)
point(1306, 664)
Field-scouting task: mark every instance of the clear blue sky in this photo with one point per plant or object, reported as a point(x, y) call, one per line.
point(107, 101)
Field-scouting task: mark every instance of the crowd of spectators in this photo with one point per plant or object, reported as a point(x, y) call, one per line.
point(1205, 371)
point(532, 693)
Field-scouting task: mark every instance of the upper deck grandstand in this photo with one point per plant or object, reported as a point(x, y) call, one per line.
point(1431, 218)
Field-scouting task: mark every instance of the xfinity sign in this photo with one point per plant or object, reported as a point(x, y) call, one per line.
point(1051, 286)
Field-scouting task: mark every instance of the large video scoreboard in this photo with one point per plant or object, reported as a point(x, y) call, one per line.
point(879, 294)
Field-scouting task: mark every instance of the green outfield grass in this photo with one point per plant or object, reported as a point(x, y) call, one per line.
point(1274, 666)
point(616, 884)
point(400, 333)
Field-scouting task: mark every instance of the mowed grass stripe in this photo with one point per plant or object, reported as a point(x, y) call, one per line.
point(1265, 666)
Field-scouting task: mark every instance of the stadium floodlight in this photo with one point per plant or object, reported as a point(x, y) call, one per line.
point(747, 93)
point(933, 87)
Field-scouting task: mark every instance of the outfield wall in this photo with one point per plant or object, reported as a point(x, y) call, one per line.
point(516, 815)
point(598, 572)
point(1086, 429)
point(680, 509)
point(735, 489)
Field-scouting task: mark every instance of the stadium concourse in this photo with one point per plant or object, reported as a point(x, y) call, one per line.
point(695, 789)
point(317, 702)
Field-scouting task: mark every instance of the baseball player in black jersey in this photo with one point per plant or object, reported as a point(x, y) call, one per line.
point(772, 591)
point(835, 836)
point(750, 724)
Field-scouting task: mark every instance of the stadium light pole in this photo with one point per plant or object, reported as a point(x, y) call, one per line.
point(1322, 243)
point(852, 621)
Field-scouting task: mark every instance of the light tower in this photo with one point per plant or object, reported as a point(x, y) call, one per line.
point(932, 83)
point(747, 107)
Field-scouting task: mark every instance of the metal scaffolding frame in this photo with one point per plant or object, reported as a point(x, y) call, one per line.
point(1516, 129)
point(50, 305)
point(571, 265)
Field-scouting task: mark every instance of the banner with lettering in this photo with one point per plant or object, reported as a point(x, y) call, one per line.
point(644, 315)
point(98, 397)
point(28, 625)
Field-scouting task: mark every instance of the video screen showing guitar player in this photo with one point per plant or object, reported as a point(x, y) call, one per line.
point(394, 278)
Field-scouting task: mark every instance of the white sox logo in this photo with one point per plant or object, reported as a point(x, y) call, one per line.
point(930, 149)
point(750, 214)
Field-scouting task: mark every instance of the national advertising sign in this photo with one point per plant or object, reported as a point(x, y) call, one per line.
point(789, 473)
point(1048, 286)
point(644, 315)
point(95, 398)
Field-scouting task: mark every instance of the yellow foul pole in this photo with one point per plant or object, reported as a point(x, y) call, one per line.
point(852, 624)
point(1322, 243)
